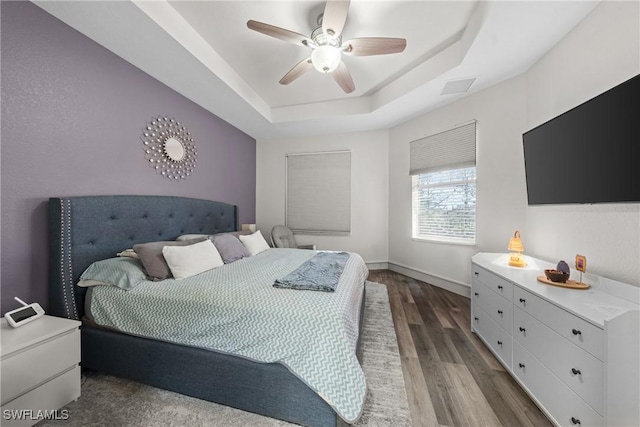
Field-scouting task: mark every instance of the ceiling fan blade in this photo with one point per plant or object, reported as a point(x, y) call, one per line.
point(342, 76)
point(335, 16)
point(280, 33)
point(367, 46)
point(299, 69)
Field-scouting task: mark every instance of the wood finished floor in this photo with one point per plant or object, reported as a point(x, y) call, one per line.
point(451, 378)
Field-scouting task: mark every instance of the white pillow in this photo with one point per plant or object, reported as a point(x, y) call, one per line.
point(186, 261)
point(254, 243)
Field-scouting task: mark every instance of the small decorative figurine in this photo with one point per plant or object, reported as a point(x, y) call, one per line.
point(581, 265)
point(563, 266)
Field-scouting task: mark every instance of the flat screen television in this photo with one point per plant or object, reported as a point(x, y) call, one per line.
point(590, 154)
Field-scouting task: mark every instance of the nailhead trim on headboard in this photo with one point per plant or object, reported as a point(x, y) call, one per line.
point(65, 259)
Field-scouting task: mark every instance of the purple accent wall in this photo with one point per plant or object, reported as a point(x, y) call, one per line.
point(72, 117)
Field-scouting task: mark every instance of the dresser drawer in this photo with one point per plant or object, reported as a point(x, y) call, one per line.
point(500, 309)
point(581, 371)
point(581, 333)
point(493, 282)
point(497, 339)
point(23, 370)
point(564, 406)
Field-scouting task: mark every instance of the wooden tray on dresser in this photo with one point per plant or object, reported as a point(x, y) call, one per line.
point(571, 284)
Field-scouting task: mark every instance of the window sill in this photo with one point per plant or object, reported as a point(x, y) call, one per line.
point(444, 241)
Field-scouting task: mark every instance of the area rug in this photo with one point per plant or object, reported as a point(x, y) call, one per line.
point(111, 401)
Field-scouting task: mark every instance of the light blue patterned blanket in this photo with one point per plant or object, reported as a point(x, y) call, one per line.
point(235, 309)
point(320, 273)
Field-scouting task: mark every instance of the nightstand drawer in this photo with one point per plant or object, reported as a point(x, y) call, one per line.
point(566, 407)
point(26, 369)
point(578, 369)
point(581, 333)
point(50, 396)
point(496, 283)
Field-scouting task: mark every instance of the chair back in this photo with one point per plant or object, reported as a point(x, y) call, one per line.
point(282, 237)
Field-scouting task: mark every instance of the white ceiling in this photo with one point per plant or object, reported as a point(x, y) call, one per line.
point(204, 50)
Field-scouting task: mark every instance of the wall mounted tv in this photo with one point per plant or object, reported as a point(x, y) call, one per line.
point(590, 154)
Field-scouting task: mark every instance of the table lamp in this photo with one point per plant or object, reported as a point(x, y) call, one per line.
point(516, 258)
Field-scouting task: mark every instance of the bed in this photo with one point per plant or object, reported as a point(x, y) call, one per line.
point(87, 229)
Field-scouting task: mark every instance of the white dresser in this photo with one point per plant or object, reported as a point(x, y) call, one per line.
point(40, 371)
point(575, 352)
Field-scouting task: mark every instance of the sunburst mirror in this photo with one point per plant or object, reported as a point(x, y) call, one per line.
point(169, 148)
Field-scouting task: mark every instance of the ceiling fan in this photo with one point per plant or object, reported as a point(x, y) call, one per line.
point(327, 45)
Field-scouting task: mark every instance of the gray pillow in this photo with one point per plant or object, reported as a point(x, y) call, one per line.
point(152, 259)
point(125, 273)
point(230, 247)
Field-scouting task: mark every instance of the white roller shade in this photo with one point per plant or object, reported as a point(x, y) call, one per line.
point(318, 194)
point(449, 149)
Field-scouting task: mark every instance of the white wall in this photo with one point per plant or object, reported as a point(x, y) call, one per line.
point(599, 53)
point(500, 192)
point(369, 190)
point(603, 51)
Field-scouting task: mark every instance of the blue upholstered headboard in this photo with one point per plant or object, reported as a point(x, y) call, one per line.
point(83, 230)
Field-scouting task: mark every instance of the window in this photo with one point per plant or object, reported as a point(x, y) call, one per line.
point(318, 194)
point(443, 176)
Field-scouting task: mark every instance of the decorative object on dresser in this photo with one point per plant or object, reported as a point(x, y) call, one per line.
point(575, 353)
point(169, 148)
point(559, 276)
point(516, 258)
point(40, 371)
point(581, 264)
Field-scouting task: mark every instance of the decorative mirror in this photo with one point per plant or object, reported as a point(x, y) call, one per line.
point(169, 148)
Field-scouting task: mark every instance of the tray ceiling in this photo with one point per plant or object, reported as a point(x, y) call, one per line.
point(204, 50)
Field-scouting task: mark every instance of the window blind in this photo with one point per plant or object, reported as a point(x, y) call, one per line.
point(444, 205)
point(318, 193)
point(453, 148)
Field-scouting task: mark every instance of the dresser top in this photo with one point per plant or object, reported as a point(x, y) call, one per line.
point(16, 339)
point(603, 301)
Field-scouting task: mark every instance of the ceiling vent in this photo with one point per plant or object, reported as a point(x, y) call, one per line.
point(457, 86)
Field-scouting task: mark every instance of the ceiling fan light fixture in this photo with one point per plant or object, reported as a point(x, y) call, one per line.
point(325, 58)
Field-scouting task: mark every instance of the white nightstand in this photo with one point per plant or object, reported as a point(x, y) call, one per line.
point(40, 369)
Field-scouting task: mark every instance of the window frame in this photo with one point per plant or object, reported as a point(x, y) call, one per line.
point(415, 214)
point(450, 150)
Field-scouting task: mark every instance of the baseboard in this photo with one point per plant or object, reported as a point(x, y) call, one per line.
point(378, 265)
point(441, 282)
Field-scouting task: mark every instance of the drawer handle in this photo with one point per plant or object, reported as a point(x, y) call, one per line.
point(476, 294)
point(500, 287)
point(575, 371)
point(575, 421)
point(476, 319)
point(476, 273)
point(521, 365)
point(499, 342)
point(576, 332)
point(522, 300)
point(522, 329)
point(500, 312)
